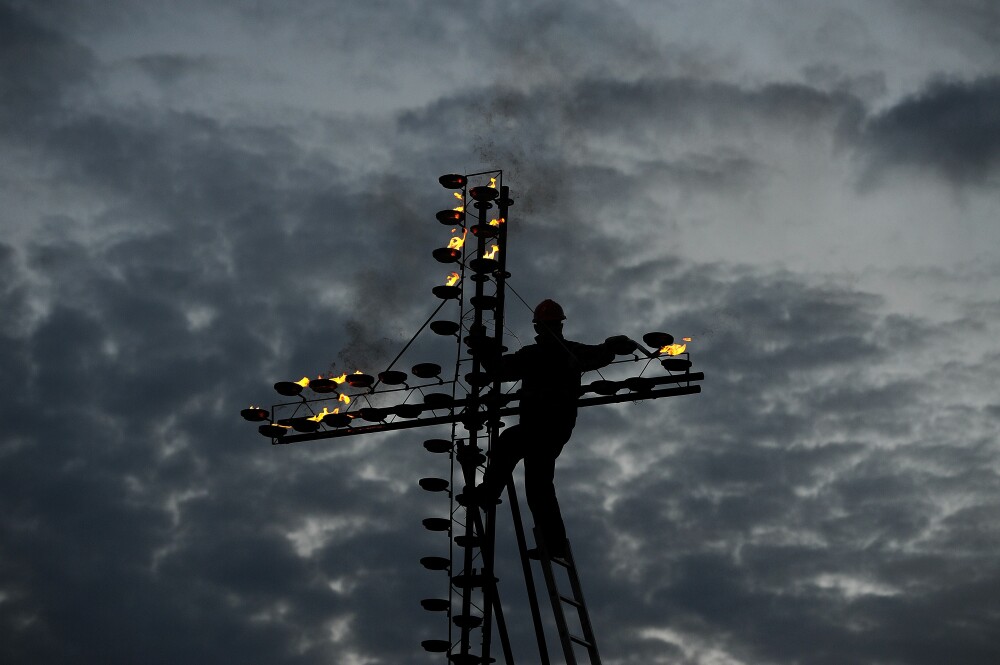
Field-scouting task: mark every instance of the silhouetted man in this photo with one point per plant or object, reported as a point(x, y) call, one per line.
point(549, 371)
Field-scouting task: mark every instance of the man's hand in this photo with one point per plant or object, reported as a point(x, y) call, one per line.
point(620, 345)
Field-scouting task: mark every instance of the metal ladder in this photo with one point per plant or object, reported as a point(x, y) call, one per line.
point(492, 606)
point(576, 600)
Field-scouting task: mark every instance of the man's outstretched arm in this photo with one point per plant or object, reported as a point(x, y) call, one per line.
point(596, 356)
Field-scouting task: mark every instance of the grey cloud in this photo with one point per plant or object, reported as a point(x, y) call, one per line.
point(168, 69)
point(949, 128)
point(38, 66)
point(960, 20)
point(790, 487)
point(145, 522)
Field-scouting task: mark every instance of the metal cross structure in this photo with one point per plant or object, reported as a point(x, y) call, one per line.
point(473, 403)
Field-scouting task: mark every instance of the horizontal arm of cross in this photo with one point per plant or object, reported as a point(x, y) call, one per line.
point(455, 417)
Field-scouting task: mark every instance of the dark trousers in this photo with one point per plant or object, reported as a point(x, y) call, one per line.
point(538, 446)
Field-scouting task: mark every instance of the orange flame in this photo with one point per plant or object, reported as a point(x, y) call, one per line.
point(304, 381)
point(497, 222)
point(492, 253)
point(673, 349)
point(458, 196)
point(453, 279)
point(456, 242)
point(493, 182)
point(344, 398)
point(340, 379)
point(686, 339)
point(326, 412)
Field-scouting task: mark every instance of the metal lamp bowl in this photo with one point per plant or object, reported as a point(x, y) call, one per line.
point(408, 410)
point(433, 484)
point(392, 377)
point(438, 400)
point(446, 254)
point(483, 302)
point(605, 387)
point(657, 340)
point(484, 193)
point(639, 384)
point(484, 265)
point(484, 231)
point(337, 420)
point(288, 388)
point(450, 217)
point(437, 445)
point(676, 364)
point(453, 181)
point(323, 386)
point(445, 327)
point(254, 415)
point(304, 425)
point(426, 370)
point(436, 605)
point(373, 414)
point(446, 292)
point(360, 380)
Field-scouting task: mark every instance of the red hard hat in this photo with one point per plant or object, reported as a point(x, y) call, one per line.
point(548, 310)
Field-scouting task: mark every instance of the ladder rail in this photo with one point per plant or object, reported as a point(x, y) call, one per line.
point(557, 609)
point(491, 592)
point(529, 578)
point(581, 605)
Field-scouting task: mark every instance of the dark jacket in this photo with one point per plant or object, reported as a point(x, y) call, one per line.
point(549, 371)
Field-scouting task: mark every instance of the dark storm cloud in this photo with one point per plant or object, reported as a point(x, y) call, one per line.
point(37, 65)
point(817, 501)
point(201, 282)
point(772, 502)
point(783, 507)
point(684, 137)
point(949, 128)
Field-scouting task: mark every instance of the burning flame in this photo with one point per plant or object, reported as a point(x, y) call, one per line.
point(458, 196)
point(326, 412)
point(673, 349)
point(686, 339)
point(497, 222)
point(340, 379)
point(459, 208)
point(452, 279)
point(492, 253)
point(456, 242)
point(304, 381)
point(343, 398)
point(493, 182)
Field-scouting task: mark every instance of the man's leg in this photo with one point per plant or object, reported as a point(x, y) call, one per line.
point(539, 486)
point(510, 449)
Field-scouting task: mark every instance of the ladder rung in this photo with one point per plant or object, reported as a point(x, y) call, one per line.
point(582, 642)
point(535, 554)
point(571, 601)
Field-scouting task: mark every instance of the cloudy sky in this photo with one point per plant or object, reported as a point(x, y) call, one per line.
point(203, 197)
